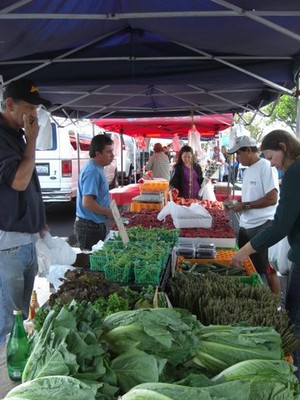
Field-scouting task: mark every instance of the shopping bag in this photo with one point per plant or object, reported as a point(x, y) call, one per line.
point(206, 191)
point(44, 139)
point(194, 216)
point(278, 256)
point(53, 251)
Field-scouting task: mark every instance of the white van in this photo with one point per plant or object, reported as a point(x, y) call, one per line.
point(127, 156)
point(59, 163)
point(60, 159)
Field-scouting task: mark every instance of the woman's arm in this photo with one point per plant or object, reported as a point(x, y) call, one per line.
point(240, 256)
point(175, 178)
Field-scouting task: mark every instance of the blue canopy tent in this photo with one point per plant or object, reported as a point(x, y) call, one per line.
point(135, 58)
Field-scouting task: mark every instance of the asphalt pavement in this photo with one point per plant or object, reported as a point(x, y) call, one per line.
point(60, 219)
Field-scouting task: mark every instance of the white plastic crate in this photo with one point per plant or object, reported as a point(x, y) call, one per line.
point(192, 222)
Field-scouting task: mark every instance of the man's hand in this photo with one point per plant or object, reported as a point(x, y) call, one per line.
point(44, 231)
point(31, 127)
point(237, 207)
point(109, 214)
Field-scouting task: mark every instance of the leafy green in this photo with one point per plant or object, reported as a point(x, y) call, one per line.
point(52, 388)
point(69, 344)
point(111, 304)
point(134, 367)
point(231, 390)
point(258, 369)
point(39, 318)
point(270, 379)
point(81, 285)
point(145, 394)
point(167, 333)
point(221, 346)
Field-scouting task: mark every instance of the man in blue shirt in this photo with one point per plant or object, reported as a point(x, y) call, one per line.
point(93, 199)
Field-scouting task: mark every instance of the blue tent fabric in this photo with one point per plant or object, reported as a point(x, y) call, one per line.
point(133, 58)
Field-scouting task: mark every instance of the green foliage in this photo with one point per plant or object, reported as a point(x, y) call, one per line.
point(165, 332)
point(111, 304)
point(285, 111)
point(221, 346)
point(50, 387)
point(135, 366)
point(40, 317)
point(69, 344)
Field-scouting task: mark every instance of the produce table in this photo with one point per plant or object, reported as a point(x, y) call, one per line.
point(5, 383)
point(222, 197)
point(223, 256)
point(124, 195)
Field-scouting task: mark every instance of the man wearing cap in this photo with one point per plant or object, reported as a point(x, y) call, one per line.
point(259, 197)
point(22, 214)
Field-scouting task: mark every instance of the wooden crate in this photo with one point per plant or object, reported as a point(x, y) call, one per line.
point(223, 256)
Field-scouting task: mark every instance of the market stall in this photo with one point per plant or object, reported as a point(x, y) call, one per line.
point(124, 195)
point(128, 291)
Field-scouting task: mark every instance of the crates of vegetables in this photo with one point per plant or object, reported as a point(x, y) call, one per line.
point(98, 261)
point(141, 234)
point(219, 264)
point(147, 273)
point(118, 273)
point(111, 248)
point(141, 262)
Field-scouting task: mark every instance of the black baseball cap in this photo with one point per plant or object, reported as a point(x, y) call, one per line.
point(26, 90)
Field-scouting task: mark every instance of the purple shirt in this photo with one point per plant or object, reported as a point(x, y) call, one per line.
point(190, 184)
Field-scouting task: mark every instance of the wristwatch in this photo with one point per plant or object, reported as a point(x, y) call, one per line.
point(247, 206)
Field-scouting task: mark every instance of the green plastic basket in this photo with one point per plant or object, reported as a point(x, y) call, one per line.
point(117, 274)
point(147, 275)
point(98, 262)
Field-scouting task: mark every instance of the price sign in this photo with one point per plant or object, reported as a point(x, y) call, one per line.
point(119, 222)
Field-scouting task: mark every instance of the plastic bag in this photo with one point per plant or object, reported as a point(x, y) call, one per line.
point(61, 252)
point(57, 273)
point(193, 211)
point(206, 191)
point(278, 256)
point(194, 140)
point(53, 250)
point(43, 255)
point(194, 216)
point(44, 139)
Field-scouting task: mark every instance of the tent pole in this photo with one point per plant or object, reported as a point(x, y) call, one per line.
point(298, 107)
point(122, 157)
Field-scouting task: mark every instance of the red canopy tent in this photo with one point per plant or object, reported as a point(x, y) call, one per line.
point(167, 127)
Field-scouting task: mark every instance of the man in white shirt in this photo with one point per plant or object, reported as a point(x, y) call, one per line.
point(259, 197)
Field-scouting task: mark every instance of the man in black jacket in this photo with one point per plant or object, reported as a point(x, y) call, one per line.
point(22, 214)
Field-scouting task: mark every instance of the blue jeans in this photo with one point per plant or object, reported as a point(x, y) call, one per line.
point(293, 308)
point(18, 268)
